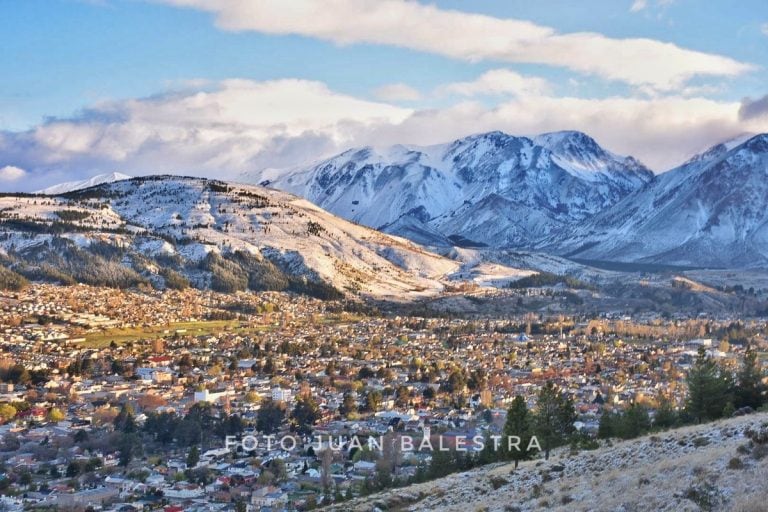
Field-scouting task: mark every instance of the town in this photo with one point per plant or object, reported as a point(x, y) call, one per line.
point(196, 400)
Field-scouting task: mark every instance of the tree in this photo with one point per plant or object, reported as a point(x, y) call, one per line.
point(348, 406)
point(708, 389)
point(666, 415)
point(518, 425)
point(554, 418)
point(634, 422)
point(402, 396)
point(129, 447)
point(73, 469)
point(607, 426)
point(373, 400)
point(124, 421)
point(750, 390)
point(193, 457)
point(55, 415)
point(305, 414)
point(252, 397)
point(7, 412)
point(80, 436)
point(271, 415)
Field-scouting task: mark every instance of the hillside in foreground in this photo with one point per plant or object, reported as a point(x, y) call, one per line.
point(707, 467)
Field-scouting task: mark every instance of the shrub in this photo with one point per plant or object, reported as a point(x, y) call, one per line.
point(498, 481)
point(759, 451)
point(735, 463)
point(705, 495)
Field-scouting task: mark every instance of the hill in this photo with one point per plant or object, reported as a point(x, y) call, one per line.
point(169, 231)
point(705, 467)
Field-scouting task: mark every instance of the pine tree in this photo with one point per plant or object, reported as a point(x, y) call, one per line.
point(708, 389)
point(554, 418)
point(193, 457)
point(634, 422)
point(607, 427)
point(518, 425)
point(750, 390)
point(666, 416)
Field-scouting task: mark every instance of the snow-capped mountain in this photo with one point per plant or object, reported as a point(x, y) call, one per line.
point(69, 186)
point(491, 189)
point(710, 211)
point(215, 234)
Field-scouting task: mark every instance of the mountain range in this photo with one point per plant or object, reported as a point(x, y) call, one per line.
point(559, 193)
point(404, 221)
point(491, 189)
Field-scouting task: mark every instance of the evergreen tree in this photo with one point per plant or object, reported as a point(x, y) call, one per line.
point(750, 390)
point(708, 389)
point(518, 425)
point(193, 457)
point(607, 427)
point(666, 416)
point(553, 421)
point(634, 422)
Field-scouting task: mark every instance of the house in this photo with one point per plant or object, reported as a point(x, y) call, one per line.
point(269, 497)
point(86, 498)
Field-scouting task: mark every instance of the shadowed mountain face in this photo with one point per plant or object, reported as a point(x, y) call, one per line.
point(491, 189)
point(710, 211)
point(558, 192)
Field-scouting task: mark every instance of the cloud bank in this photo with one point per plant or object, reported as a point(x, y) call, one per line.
point(241, 125)
point(639, 62)
point(753, 109)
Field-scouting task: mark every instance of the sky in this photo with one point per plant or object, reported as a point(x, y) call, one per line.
point(216, 88)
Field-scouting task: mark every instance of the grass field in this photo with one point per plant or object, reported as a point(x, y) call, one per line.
point(202, 328)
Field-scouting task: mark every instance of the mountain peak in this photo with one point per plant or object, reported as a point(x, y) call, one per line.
point(69, 186)
point(569, 142)
point(757, 143)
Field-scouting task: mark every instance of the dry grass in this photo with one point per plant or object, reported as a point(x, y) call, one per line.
point(674, 471)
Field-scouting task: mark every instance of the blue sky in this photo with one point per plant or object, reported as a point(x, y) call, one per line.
point(171, 85)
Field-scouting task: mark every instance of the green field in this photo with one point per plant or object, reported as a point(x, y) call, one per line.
point(202, 328)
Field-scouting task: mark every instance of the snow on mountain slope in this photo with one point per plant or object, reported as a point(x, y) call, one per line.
point(711, 211)
point(69, 186)
point(179, 222)
point(187, 218)
point(489, 189)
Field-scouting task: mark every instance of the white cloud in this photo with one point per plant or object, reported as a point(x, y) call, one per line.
point(235, 116)
point(764, 29)
point(397, 92)
point(11, 173)
point(239, 125)
point(499, 82)
point(230, 127)
point(461, 35)
point(662, 132)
